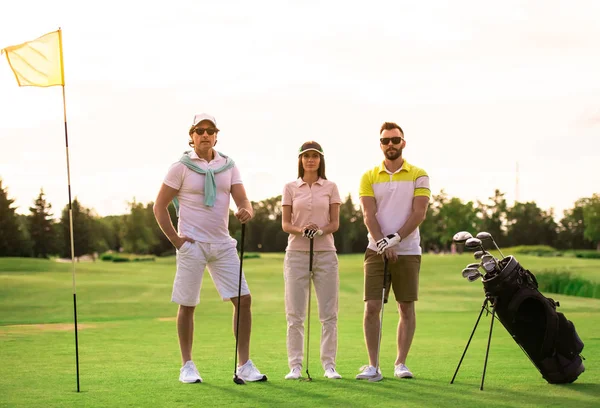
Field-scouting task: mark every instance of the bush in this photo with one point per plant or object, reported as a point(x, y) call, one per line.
point(144, 259)
point(251, 255)
point(561, 281)
point(118, 258)
point(106, 257)
point(589, 254)
point(535, 250)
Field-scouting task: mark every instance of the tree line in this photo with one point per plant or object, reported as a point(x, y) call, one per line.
point(39, 234)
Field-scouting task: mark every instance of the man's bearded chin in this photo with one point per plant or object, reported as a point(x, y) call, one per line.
point(393, 154)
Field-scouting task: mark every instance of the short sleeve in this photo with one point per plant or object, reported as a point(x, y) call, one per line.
point(335, 195)
point(236, 177)
point(422, 188)
point(174, 177)
point(286, 197)
point(366, 186)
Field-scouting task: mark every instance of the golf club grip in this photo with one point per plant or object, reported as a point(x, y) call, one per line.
point(242, 243)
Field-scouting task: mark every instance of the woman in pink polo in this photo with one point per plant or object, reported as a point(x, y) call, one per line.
point(311, 203)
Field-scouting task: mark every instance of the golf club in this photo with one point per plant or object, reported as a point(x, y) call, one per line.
point(469, 271)
point(486, 235)
point(237, 379)
point(478, 254)
point(310, 273)
point(473, 243)
point(487, 258)
point(378, 376)
point(473, 277)
point(489, 266)
point(473, 265)
point(461, 237)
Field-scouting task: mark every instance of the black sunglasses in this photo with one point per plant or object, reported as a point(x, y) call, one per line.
point(386, 140)
point(200, 131)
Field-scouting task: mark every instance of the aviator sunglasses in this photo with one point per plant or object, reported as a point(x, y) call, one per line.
point(386, 140)
point(210, 131)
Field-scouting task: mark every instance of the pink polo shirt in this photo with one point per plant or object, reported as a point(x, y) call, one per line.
point(310, 204)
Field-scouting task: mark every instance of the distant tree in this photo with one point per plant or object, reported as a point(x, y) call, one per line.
point(84, 233)
point(529, 225)
point(454, 216)
point(351, 236)
point(445, 217)
point(42, 233)
point(113, 231)
point(591, 216)
point(264, 232)
point(138, 235)
point(430, 227)
point(12, 237)
point(493, 217)
point(571, 228)
point(162, 245)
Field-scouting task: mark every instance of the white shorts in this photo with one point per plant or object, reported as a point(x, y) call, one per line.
point(223, 264)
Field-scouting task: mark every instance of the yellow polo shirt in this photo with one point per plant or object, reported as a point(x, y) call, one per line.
point(393, 193)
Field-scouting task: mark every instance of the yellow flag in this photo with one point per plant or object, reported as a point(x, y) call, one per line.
point(37, 62)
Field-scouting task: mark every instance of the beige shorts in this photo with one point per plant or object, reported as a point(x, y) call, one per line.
point(223, 264)
point(404, 277)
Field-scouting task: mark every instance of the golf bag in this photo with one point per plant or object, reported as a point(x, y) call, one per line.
point(545, 335)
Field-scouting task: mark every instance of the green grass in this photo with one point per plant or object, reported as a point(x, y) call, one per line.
point(129, 356)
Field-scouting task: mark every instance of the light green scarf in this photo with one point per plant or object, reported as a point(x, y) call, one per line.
point(210, 186)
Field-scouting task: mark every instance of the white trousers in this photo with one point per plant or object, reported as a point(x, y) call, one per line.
point(326, 286)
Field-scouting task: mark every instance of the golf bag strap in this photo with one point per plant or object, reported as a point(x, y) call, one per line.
point(550, 314)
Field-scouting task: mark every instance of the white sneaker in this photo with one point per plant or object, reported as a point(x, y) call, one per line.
point(248, 372)
point(189, 373)
point(368, 372)
point(331, 373)
point(401, 371)
point(294, 374)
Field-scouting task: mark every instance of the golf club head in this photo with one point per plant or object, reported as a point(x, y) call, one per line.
point(238, 380)
point(473, 265)
point(473, 243)
point(489, 266)
point(469, 271)
point(487, 258)
point(473, 277)
point(478, 254)
point(461, 237)
point(484, 235)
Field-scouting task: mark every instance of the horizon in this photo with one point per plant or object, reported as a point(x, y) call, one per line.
point(477, 88)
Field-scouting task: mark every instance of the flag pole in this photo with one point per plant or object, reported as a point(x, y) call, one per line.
point(62, 72)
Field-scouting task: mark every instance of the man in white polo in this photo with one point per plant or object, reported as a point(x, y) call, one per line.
point(394, 197)
point(201, 184)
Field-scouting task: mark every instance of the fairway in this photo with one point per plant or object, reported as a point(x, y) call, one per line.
point(129, 355)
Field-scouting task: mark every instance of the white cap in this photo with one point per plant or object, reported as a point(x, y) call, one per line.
point(204, 116)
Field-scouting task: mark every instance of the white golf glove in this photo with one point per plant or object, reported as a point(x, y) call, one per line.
point(310, 234)
point(388, 242)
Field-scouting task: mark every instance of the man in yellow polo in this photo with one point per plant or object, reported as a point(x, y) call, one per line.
point(394, 197)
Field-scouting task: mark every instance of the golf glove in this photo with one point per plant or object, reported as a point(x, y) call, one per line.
point(310, 234)
point(388, 242)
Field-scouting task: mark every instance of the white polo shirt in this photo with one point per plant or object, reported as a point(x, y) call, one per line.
point(394, 193)
point(196, 220)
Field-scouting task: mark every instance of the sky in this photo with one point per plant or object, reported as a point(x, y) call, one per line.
point(479, 88)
